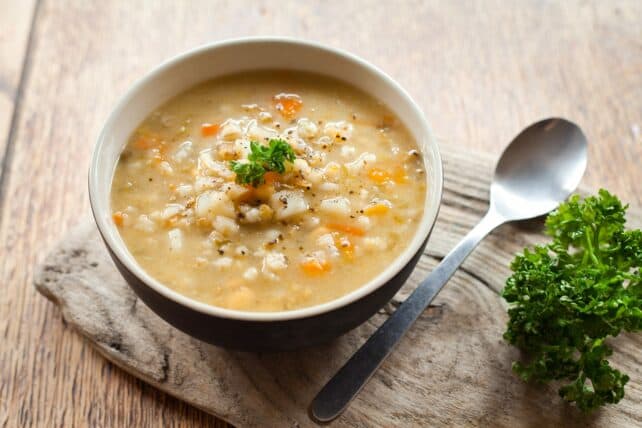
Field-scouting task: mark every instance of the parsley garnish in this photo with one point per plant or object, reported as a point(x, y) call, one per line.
point(261, 160)
point(568, 296)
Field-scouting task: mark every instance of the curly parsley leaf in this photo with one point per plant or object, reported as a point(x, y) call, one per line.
point(248, 172)
point(568, 296)
point(261, 160)
point(272, 156)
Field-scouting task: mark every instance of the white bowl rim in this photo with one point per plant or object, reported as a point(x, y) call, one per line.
point(122, 254)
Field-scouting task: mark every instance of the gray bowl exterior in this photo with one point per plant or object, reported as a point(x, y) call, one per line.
point(268, 335)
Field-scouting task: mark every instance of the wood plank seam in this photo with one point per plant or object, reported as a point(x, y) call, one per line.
point(15, 116)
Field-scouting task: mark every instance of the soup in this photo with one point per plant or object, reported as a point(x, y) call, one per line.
point(268, 191)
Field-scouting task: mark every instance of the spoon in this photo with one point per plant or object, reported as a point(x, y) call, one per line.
point(538, 170)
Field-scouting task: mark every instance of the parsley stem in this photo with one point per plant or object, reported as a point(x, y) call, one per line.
point(589, 245)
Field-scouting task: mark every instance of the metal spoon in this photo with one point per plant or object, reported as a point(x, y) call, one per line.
point(537, 171)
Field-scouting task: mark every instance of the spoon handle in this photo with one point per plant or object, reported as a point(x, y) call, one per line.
point(348, 381)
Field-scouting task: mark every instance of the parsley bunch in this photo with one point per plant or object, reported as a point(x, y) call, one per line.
point(261, 160)
point(568, 296)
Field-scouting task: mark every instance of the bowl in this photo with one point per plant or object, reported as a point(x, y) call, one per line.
point(244, 330)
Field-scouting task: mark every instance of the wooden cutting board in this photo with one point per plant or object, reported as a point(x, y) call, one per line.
point(452, 368)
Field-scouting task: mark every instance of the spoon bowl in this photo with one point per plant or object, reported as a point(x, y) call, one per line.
point(539, 169)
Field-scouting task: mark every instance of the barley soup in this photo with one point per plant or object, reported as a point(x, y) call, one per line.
point(268, 191)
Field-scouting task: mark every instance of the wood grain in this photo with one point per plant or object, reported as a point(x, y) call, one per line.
point(452, 369)
point(15, 26)
point(480, 70)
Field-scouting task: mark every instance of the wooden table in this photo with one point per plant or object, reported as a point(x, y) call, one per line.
point(480, 70)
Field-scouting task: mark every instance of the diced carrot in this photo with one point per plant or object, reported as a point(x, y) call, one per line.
point(377, 209)
point(209, 129)
point(271, 177)
point(380, 176)
point(264, 192)
point(399, 175)
point(314, 267)
point(147, 140)
point(288, 105)
point(118, 218)
point(346, 228)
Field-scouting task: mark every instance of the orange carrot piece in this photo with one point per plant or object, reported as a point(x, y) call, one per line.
point(144, 143)
point(378, 175)
point(118, 218)
point(209, 129)
point(378, 209)
point(314, 267)
point(399, 175)
point(287, 104)
point(346, 228)
point(264, 191)
point(271, 177)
